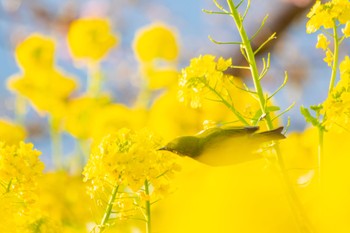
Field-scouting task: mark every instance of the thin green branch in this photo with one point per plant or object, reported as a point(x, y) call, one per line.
point(219, 6)
point(220, 42)
point(259, 29)
point(246, 11)
point(148, 207)
point(272, 37)
point(108, 210)
point(266, 67)
point(280, 87)
point(335, 58)
point(286, 110)
point(216, 12)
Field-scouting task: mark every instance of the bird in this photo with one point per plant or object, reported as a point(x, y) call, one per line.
point(222, 146)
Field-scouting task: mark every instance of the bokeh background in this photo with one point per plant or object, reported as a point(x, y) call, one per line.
point(293, 51)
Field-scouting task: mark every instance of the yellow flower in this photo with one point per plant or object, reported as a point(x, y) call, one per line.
point(48, 90)
point(337, 105)
point(80, 115)
point(346, 30)
point(91, 38)
point(129, 158)
point(155, 41)
point(324, 15)
point(322, 42)
point(329, 57)
point(11, 133)
point(19, 169)
point(160, 77)
point(202, 77)
point(36, 52)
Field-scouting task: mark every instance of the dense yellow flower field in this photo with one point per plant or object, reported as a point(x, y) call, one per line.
point(126, 177)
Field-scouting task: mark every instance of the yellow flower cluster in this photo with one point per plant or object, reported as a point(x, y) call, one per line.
point(325, 15)
point(202, 75)
point(90, 38)
point(44, 85)
point(337, 105)
point(11, 133)
point(20, 169)
point(128, 158)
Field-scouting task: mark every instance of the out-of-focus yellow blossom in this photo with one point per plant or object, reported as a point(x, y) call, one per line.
point(81, 113)
point(322, 42)
point(183, 120)
point(201, 77)
point(325, 14)
point(48, 90)
point(11, 133)
point(64, 200)
point(91, 38)
point(337, 106)
point(160, 77)
point(113, 117)
point(155, 41)
point(346, 30)
point(329, 57)
point(129, 158)
point(20, 168)
point(36, 52)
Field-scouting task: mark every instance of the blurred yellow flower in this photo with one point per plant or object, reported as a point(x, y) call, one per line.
point(322, 42)
point(325, 14)
point(337, 105)
point(155, 41)
point(80, 115)
point(346, 30)
point(35, 52)
point(48, 90)
point(113, 117)
point(11, 133)
point(63, 199)
point(91, 38)
point(160, 77)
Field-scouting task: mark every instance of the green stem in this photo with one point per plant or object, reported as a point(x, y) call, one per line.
point(296, 206)
point(56, 143)
point(335, 57)
point(109, 208)
point(228, 105)
point(20, 109)
point(148, 208)
point(252, 63)
point(320, 159)
point(94, 79)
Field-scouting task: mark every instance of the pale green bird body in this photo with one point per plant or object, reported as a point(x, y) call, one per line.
point(223, 146)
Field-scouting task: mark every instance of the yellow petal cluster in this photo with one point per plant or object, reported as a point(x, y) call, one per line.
point(155, 41)
point(35, 52)
point(47, 90)
point(129, 158)
point(325, 14)
point(11, 133)
point(337, 105)
point(202, 76)
point(91, 38)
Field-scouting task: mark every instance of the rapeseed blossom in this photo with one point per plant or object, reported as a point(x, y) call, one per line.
point(11, 133)
point(35, 52)
point(156, 41)
point(91, 38)
point(337, 105)
point(201, 77)
point(326, 14)
point(46, 87)
point(123, 166)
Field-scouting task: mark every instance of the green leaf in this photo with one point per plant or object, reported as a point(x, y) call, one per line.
point(308, 117)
